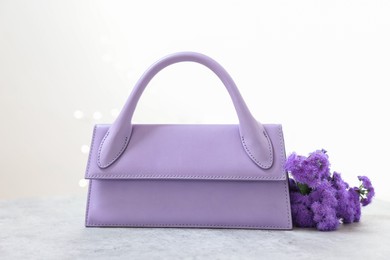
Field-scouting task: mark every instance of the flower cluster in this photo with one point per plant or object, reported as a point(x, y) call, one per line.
point(321, 199)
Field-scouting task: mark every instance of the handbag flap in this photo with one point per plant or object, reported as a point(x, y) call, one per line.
point(204, 152)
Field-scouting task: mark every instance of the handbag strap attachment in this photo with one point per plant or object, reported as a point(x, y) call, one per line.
point(254, 137)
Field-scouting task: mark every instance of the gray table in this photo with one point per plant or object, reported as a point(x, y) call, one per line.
point(53, 228)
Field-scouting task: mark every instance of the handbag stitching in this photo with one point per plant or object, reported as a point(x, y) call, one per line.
point(203, 225)
point(282, 163)
point(253, 157)
point(242, 141)
point(123, 176)
point(90, 182)
point(186, 225)
point(90, 153)
point(288, 207)
point(116, 156)
point(89, 198)
point(196, 177)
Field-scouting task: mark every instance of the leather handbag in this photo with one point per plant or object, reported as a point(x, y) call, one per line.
point(203, 176)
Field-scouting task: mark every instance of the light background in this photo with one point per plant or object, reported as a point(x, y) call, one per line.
point(321, 68)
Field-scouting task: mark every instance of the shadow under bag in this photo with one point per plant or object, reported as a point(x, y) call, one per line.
point(205, 176)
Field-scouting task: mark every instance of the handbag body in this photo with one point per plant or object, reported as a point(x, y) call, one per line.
point(203, 176)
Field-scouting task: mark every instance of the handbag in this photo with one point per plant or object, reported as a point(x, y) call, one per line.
point(179, 175)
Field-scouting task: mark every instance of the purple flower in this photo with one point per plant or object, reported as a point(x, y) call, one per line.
point(366, 190)
point(344, 210)
point(302, 215)
point(323, 206)
point(354, 204)
point(317, 209)
point(324, 216)
point(300, 207)
point(310, 170)
point(321, 200)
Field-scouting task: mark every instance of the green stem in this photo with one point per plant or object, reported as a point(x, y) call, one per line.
point(303, 188)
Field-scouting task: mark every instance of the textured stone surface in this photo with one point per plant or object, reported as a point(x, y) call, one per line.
point(53, 228)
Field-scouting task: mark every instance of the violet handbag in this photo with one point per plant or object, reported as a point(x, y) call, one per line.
point(208, 176)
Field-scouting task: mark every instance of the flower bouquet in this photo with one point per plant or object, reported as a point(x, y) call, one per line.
point(322, 199)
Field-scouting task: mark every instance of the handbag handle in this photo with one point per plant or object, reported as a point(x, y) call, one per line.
point(254, 137)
